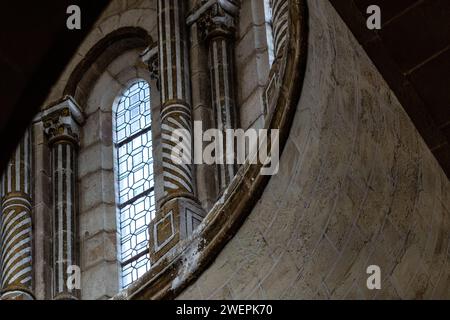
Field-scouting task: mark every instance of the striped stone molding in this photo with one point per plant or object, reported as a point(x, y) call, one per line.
point(280, 23)
point(179, 210)
point(175, 91)
point(280, 28)
point(61, 124)
point(218, 25)
point(189, 259)
point(16, 269)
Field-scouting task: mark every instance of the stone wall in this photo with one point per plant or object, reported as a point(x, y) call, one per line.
point(357, 186)
point(252, 64)
point(98, 236)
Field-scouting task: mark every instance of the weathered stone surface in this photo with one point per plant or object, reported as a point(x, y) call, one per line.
point(252, 62)
point(98, 212)
point(357, 186)
point(101, 282)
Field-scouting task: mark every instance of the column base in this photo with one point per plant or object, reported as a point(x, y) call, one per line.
point(16, 295)
point(174, 222)
point(65, 296)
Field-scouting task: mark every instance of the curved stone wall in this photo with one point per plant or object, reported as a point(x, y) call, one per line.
point(357, 186)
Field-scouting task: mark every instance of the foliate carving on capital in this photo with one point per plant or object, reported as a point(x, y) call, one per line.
point(63, 122)
point(217, 20)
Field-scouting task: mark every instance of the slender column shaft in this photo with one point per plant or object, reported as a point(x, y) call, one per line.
point(16, 225)
point(179, 211)
point(280, 16)
point(218, 24)
point(207, 184)
point(61, 125)
point(175, 94)
point(64, 253)
point(221, 65)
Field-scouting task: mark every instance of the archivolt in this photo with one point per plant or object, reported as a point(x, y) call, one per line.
point(89, 69)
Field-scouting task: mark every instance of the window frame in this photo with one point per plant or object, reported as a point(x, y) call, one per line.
point(119, 205)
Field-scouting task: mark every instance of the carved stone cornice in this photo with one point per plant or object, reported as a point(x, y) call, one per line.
point(62, 121)
point(216, 18)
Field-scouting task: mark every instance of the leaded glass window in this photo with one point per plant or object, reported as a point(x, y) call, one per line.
point(135, 181)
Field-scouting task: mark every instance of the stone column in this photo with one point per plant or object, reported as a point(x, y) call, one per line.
point(280, 16)
point(16, 226)
point(280, 25)
point(218, 25)
point(61, 124)
point(179, 210)
point(206, 177)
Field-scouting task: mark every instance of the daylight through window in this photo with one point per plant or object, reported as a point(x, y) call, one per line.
point(134, 176)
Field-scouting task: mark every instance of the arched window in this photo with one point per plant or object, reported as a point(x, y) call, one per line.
point(134, 176)
point(269, 30)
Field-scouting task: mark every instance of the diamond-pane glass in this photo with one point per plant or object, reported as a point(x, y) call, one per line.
point(134, 174)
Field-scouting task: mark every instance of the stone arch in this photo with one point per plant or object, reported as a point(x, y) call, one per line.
point(172, 274)
point(105, 51)
point(96, 83)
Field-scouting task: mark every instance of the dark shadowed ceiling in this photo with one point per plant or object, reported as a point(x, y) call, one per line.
point(35, 46)
point(412, 51)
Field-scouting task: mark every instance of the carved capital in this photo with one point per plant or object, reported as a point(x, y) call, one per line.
point(216, 18)
point(63, 121)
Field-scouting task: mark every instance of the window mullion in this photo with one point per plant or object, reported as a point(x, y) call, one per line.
point(132, 200)
point(134, 136)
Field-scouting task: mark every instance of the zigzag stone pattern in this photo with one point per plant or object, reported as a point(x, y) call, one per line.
point(179, 209)
point(16, 226)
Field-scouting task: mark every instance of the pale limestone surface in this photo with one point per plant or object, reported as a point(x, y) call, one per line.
point(252, 64)
point(98, 229)
point(98, 235)
point(357, 186)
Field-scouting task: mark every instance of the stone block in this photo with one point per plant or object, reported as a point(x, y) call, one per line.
point(174, 222)
point(283, 273)
point(95, 189)
point(101, 217)
point(99, 247)
point(100, 281)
